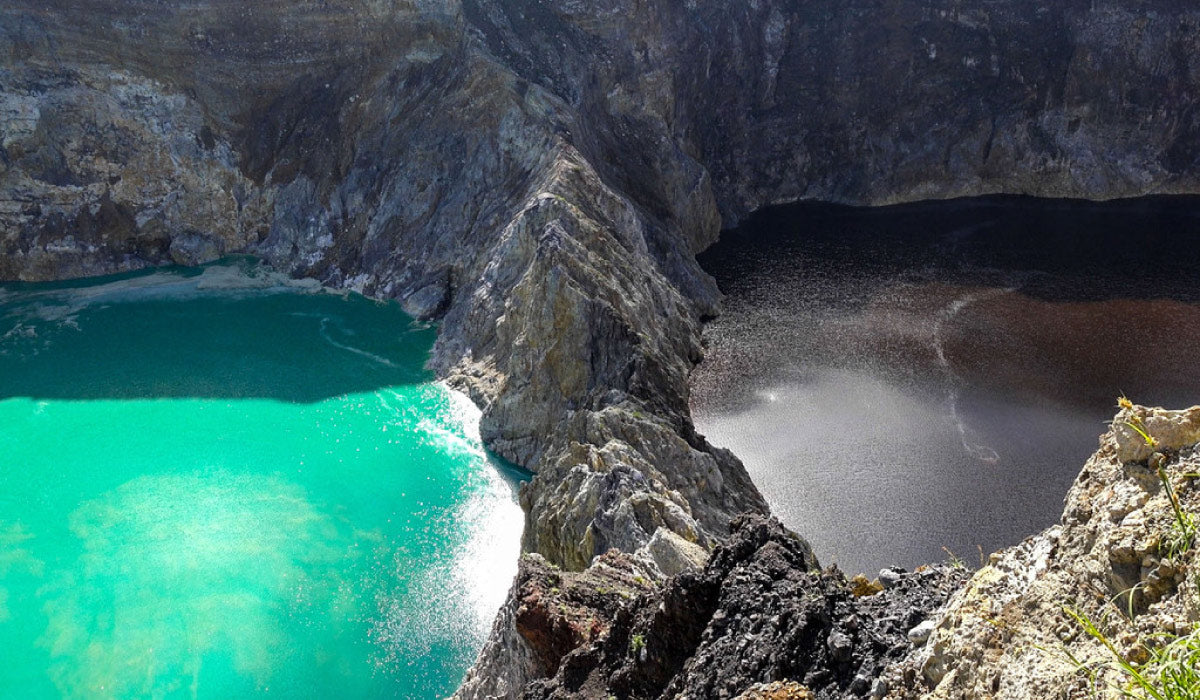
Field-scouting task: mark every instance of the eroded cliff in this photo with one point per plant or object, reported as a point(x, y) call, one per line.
point(538, 175)
point(761, 620)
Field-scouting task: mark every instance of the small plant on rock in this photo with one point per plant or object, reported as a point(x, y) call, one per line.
point(954, 560)
point(1182, 535)
point(636, 644)
point(1136, 425)
point(1183, 532)
point(1172, 671)
point(1162, 666)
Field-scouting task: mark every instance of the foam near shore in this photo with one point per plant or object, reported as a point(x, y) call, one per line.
point(210, 497)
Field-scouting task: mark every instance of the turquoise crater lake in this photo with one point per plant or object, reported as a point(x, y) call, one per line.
point(217, 483)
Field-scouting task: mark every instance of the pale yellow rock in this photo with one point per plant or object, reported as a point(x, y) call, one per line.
point(1168, 430)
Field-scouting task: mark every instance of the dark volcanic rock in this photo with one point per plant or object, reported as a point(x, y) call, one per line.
point(759, 612)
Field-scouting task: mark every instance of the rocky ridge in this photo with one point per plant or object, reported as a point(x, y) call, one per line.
point(760, 620)
point(759, 612)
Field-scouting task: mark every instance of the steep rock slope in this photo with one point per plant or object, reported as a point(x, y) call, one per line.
point(759, 619)
point(873, 102)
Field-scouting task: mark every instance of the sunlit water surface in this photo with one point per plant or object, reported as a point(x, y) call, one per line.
point(218, 485)
point(911, 381)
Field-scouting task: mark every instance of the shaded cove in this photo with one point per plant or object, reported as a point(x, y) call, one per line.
point(221, 483)
point(908, 381)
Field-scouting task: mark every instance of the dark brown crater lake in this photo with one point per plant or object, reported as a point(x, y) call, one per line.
point(911, 380)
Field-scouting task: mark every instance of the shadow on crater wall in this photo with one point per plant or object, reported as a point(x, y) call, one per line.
point(225, 332)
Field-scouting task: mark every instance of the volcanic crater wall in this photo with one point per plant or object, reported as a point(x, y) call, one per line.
point(539, 174)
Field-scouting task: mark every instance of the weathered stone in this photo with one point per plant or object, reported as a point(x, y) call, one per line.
point(671, 554)
point(759, 610)
point(861, 586)
point(779, 690)
point(1167, 430)
point(1007, 633)
point(550, 613)
point(428, 302)
point(921, 633)
point(194, 249)
point(890, 577)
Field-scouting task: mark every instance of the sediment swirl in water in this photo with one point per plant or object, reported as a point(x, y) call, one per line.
point(910, 380)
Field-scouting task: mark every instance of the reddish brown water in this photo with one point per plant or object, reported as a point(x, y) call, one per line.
point(908, 379)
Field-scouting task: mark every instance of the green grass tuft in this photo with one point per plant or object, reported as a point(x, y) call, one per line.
point(1171, 673)
point(1182, 535)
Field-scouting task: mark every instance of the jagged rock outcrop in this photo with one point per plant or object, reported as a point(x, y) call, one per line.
point(1008, 633)
point(759, 621)
point(758, 613)
point(549, 614)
